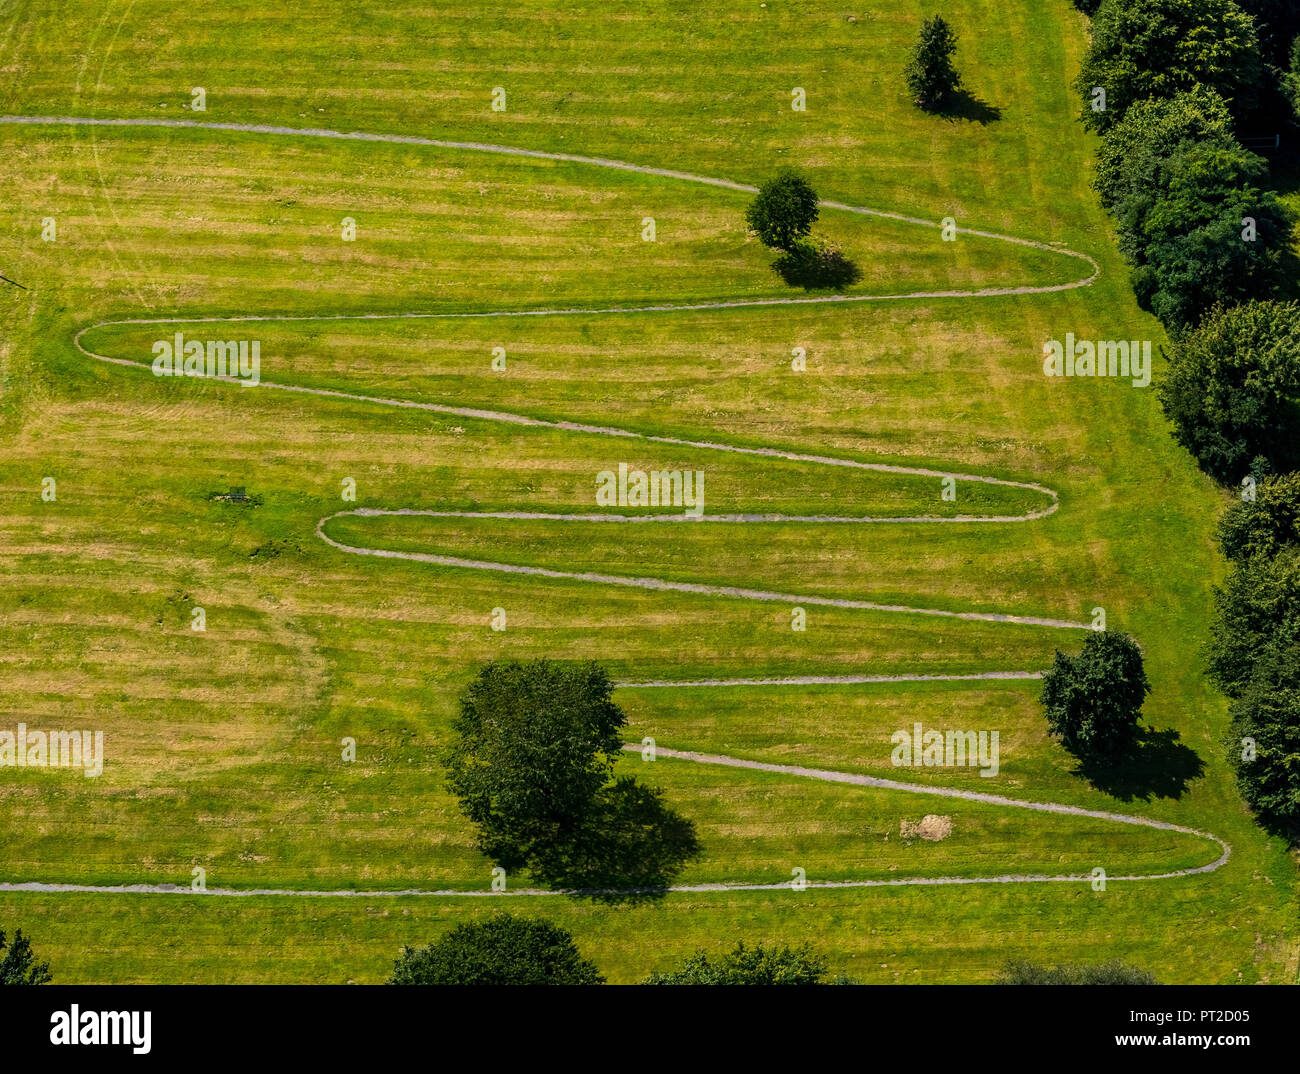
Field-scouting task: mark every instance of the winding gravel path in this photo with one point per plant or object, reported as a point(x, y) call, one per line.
point(793, 771)
point(598, 162)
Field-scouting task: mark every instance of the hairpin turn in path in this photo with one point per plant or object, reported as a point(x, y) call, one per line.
point(739, 593)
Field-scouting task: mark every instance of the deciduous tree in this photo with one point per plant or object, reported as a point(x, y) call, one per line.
point(1158, 48)
point(1233, 389)
point(1093, 700)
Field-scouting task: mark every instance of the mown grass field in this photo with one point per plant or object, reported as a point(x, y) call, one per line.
point(224, 747)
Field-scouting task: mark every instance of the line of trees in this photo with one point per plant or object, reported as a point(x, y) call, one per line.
point(1255, 648)
point(507, 949)
point(1171, 85)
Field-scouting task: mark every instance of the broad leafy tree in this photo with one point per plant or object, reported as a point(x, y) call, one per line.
point(1291, 79)
point(503, 950)
point(1258, 608)
point(1132, 161)
point(1264, 742)
point(1158, 48)
point(1093, 700)
point(534, 745)
point(754, 965)
point(629, 846)
point(19, 966)
point(784, 210)
point(1212, 235)
point(532, 763)
point(1233, 389)
point(931, 76)
point(1277, 23)
point(1264, 525)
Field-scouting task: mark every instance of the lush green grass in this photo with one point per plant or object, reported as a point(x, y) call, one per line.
point(224, 747)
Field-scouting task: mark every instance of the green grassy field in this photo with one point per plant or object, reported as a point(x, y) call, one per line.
point(223, 748)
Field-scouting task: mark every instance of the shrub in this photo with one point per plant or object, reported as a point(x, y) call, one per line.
point(1108, 973)
point(503, 950)
point(757, 965)
point(1233, 388)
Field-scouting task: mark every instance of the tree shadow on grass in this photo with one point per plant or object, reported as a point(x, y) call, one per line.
point(816, 268)
point(630, 849)
point(963, 104)
point(1157, 765)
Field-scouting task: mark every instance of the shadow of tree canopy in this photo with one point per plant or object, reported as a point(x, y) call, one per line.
point(962, 104)
point(816, 268)
point(1157, 765)
point(630, 848)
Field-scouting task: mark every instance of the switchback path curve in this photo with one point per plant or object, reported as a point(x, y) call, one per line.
point(795, 771)
point(653, 583)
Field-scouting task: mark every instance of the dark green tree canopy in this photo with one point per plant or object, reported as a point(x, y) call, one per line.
point(1265, 525)
point(1277, 22)
point(931, 76)
point(784, 210)
point(19, 965)
point(1291, 79)
point(1189, 242)
point(1233, 389)
point(1258, 609)
point(532, 763)
point(534, 743)
point(1132, 160)
point(1107, 973)
point(1264, 739)
point(756, 965)
point(1093, 700)
point(503, 950)
point(1158, 48)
